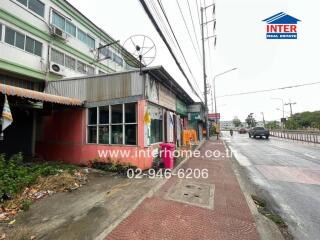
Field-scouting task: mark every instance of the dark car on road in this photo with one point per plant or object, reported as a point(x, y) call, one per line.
point(242, 130)
point(259, 132)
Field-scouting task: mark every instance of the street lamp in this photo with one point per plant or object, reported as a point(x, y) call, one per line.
point(214, 90)
point(282, 105)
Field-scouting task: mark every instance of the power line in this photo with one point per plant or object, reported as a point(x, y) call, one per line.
point(174, 35)
point(161, 21)
point(194, 29)
point(269, 90)
point(147, 10)
point(185, 24)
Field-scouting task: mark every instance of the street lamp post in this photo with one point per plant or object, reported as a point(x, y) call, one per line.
point(282, 105)
point(214, 91)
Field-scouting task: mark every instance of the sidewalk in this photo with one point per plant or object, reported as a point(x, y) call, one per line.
point(212, 208)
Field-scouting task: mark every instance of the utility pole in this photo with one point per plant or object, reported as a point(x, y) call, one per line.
point(263, 120)
point(290, 104)
point(204, 76)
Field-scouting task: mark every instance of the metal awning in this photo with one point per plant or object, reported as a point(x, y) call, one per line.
point(27, 93)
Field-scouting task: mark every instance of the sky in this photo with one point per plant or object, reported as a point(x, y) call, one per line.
point(241, 43)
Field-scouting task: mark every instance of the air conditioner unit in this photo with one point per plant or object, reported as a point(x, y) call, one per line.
point(57, 69)
point(57, 32)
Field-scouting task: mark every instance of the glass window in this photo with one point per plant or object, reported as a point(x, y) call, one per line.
point(70, 62)
point(0, 32)
point(104, 115)
point(37, 7)
point(117, 59)
point(92, 134)
point(81, 67)
point(58, 21)
point(30, 45)
point(57, 57)
point(116, 113)
point(104, 134)
point(37, 48)
point(70, 28)
point(10, 35)
point(90, 70)
point(92, 116)
point(156, 131)
point(117, 134)
point(24, 2)
point(101, 72)
point(91, 42)
point(130, 113)
point(82, 36)
point(131, 134)
point(20, 38)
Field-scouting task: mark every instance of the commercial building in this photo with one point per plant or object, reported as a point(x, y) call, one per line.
point(125, 116)
point(41, 41)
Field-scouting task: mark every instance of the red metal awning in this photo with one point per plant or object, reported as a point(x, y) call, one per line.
point(27, 93)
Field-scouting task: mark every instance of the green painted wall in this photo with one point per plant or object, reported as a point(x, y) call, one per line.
point(20, 23)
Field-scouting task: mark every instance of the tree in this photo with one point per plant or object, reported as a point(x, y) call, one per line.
point(236, 122)
point(272, 125)
point(304, 120)
point(251, 121)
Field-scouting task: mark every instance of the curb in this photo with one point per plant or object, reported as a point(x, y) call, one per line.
point(149, 194)
point(266, 229)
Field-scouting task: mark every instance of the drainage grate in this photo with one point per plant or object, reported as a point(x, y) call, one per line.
point(191, 192)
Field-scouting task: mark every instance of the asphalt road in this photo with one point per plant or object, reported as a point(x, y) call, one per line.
point(287, 174)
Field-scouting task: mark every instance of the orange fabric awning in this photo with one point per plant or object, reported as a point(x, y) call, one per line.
point(27, 93)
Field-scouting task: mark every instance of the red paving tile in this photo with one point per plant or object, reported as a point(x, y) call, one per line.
point(159, 218)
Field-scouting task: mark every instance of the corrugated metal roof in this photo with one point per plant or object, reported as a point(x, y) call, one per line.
point(99, 87)
point(27, 93)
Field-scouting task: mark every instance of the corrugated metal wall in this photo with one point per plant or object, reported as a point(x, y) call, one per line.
point(98, 88)
point(167, 98)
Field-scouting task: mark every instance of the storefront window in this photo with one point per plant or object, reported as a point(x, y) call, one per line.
point(116, 113)
point(115, 124)
point(104, 134)
point(156, 131)
point(117, 134)
point(156, 125)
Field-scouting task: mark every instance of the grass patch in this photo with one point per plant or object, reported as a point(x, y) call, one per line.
point(16, 175)
point(112, 166)
point(262, 208)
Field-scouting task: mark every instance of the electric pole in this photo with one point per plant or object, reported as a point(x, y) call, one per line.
point(204, 76)
point(290, 104)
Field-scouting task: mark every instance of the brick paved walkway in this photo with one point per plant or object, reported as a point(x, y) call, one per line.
point(228, 217)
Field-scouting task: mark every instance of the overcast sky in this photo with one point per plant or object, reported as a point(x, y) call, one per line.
point(241, 43)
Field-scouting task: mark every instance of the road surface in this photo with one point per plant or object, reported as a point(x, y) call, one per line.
point(287, 174)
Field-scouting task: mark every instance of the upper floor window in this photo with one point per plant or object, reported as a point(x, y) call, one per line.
point(71, 63)
point(68, 27)
point(23, 42)
point(35, 6)
point(64, 24)
point(117, 59)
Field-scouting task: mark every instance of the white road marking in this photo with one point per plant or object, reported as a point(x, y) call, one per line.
point(309, 155)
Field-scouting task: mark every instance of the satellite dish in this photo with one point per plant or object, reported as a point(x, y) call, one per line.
point(142, 48)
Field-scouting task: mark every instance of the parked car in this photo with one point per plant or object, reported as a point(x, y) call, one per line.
point(259, 132)
point(242, 130)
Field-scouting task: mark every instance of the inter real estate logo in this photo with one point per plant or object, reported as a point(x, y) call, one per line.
point(281, 26)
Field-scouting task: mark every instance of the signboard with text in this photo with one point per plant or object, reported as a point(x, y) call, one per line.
point(213, 116)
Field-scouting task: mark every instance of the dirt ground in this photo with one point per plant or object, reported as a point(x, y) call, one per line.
point(81, 214)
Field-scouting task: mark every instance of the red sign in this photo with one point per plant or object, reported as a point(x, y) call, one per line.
point(213, 116)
